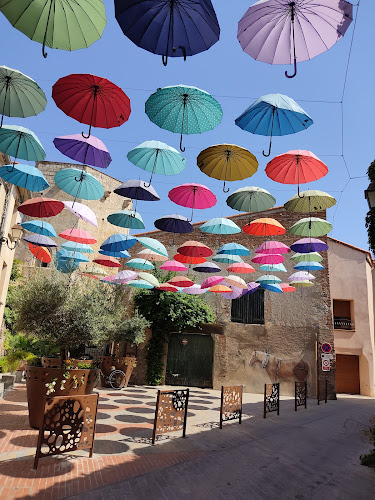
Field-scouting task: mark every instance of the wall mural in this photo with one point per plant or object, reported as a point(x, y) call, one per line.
point(278, 368)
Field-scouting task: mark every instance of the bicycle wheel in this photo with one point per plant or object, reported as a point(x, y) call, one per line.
point(117, 379)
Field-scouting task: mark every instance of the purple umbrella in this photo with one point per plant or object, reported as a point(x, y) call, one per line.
point(90, 151)
point(251, 287)
point(284, 32)
point(125, 276)
point(207, 267)
point(174, 224)
point(236, 292)
point(307, 245)
point(40, 240)
point(82, 212)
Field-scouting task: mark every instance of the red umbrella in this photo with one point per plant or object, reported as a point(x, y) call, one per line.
point(41, 253)
point(184, 259)
point(192, 196)
point(194, 249)
point(240, 267)
point(107, 261)
point(296, 167)
point(181, 281)
point(41, 207)
point(92, 100)
point(77, 235)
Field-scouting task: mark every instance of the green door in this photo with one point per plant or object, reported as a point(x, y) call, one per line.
point(189, 360)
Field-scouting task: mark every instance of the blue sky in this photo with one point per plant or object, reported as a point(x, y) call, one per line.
point(235, 80)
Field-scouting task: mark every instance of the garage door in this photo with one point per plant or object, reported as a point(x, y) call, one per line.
point(347, 374)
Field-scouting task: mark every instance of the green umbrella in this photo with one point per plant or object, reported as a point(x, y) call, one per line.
point(20, 142)
point(150, 278)
point(301, 284)
point(310, 201)
point(19, 95)
point(307, 257)
point(311, 226)
point(251, 199)
point(126, 218)
point(59, 24)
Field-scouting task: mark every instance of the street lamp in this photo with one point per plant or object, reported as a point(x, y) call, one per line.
point(370, 195)
point(15, 237)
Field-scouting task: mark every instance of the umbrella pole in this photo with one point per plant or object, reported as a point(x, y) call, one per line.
point(96, 88)
point(273, 117)
point(153, 170)
point(5, 98)
point(182, 122)
point(45, 33)
point(170, 29)
point(292, 15)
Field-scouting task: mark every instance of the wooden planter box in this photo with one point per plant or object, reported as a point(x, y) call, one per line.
point(124, 363)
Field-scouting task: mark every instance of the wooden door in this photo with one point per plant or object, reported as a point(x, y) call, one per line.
point(347, 374)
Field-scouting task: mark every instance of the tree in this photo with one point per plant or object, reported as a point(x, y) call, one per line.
point(9, 314)
point(370, 216)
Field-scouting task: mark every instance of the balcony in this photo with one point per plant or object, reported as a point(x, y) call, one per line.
point(343, 324)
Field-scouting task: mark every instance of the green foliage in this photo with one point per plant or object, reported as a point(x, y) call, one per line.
point(371, 171)
point(369, 435)
point(15, 273)
point(370, 225)
point(11, 361)
point(30, 344)
point(9, 313)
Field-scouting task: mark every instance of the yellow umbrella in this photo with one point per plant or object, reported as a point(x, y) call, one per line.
point(227, 162)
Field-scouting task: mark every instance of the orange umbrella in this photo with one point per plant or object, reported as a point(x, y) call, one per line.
point(264, 227)
point(220, 289)
point(194, 249)
point(184, 259)
point(167, 287)
point(240, 267)
point(41, 253)
point(107, 261)
point(181, 281)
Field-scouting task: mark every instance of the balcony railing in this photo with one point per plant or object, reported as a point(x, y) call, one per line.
point(343, 324)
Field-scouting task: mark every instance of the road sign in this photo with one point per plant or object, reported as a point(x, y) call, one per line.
point(326, 356)
point(326, 362)
point(326, 347)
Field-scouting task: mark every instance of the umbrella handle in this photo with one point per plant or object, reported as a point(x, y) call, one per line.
point(183, 50)
point(164, 58)
point(225, 190)
point(269, 150)
point(181, 148)
point(87, 136)
point(295, 70)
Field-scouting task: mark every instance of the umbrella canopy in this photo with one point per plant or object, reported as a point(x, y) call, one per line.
point(236, 292)
point(284, 32)
point(172, 265)
point(107, 261)
point(212, 281)
point(286, 288)
point(268, 258)
point(184, 110)
point(110, 279)
point(77, 247)
point(78, 235)
point(125, 276)
point(40, 240)
point(20, 142)
point(150, 278)
point(220, 289)
point(296, 167)
point(67, 266)
point(153, 244)
point(94, 270)
point(90, 151)
point(158, 158)
point(309, 257)
point(268, 278)
point(170, 29)
point(118, 243)
point(272, 287)
point(137, 190)
point(174, 224)
point(40, 253)
point(24, 176)
point(227, 258)
point(272, 268)
point(252, 287)
point(207, 267)
point(301, 276)
point(251, 199)
point(301, 284)
point(40, 227)
point(20, 95)
point(184, 259)
point(151, 255)
point(92, 100)
point(220, 225)
point(194, 249)
point(140, 264)
point(82, 212)
point(195, 290)
point(119, 255)
point(233, 249)
point(41, 207)
point(310, 201)
point(181, 281)
point(69, 255)
point(311, 226)
point(240, 268)
point(140, 284)
point(167, 287)
point(274, 115)
point(79, 184)
point(69, 25)
point(126, 218)
point(235, 281)
point(273, 247)
point(192, 196)
point(227, 162)
point(308, 266)
point(308, 245)
point(264, 227)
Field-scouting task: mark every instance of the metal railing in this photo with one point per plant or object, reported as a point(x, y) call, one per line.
point(343, 324)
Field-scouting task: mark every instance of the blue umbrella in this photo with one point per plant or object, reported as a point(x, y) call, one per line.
point(40, 227)
point(120, 255)
point(169, 28)
point(137, 190)
point(273, 267)
point(66, 266)
point(126, 218)
point(272, 287)
point(274, 115)
point(118, 243)
point(77, 247)
point(308, 266)
point(21, 143)
point(220, 225)
point(40, 240)
point(207, 267)
point(24, 176)
point(174, 224)
point(79, 184)
point(68, 255)
point(233, 249)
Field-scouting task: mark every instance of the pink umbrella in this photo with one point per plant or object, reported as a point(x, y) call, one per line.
point(109, 279)
point(272, 247)
point(263, 258)
point(125, 276)
point(212, 281)
point(77, 235)
point(195, 290)
point(173, 265)
point(192, 196)
point(82, 212)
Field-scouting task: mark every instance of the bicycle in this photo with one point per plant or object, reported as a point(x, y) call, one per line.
point(116, 379)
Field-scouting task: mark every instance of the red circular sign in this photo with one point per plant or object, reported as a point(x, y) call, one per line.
point(326, 347)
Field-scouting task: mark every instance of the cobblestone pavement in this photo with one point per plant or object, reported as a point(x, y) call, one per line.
point(302, 454)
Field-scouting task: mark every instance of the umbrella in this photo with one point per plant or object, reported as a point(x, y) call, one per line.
point(41, 207)
point(183, 110)
point(41, 253)
point(311, 226)
point(301, 284)
point(265, 258)
point(233, 249)
point(125, 276)
point(307, 245)
point(40, 227)
point(119, 255)
point(310, 201)
point(65, 25)
point(118, 243)
point(308, 266)
point(126, 218)
point(274, 114)
point(240, 268)
point(79, 184)
point(236, 292)
point(94, 270)
point(150, 278)
point(212, 281)
point(251, 199)
point(110, 279)
point(207, 267)
point(268, 278)
point(310, 257)
point(140, 284)
point(67, 266)
point(92, 100)
point(235, 281)
point(167, 287)
point(296, 167)
point(184, 259)
point(220, 289)
point(40, 240)
point(172, 265)
point(107, 261)
point(77, 235)
point(20, 142)
point(140, 264)
point(137, 190)
point(82, 212)
point(272, 268)
point(77, 247)
point(151, 255)
point(194, 249)
point(158, 158)
point(181, 281)
point(170, 29)
point(90, 151)
point(272, 287)
point(220, 225)
point(286, 288)
point(24, 176)
point(174, 224)
point(153, 244)
point(192, 196)
point(252, 287)
point(227, 162)
point(69, 255)
point(227, 258)
point(264, 227)
point(301, 276)
point(195, 290)
point(20, 95)
point(273, 247)
point(283, 32)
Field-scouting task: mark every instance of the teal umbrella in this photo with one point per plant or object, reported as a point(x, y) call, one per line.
point(40, 227)
point(268, 278)
point(144, 264)
point(220, 225)
point(24, 176)
point(126, 218)
point(153, 244)
point(158, 158)
point(273, 268)
point(140, 284)
point(68, 255)
point(21, 143)
point(227, 259)
point(20, 95)
point(233, 249)
point(184, 110)
point(77, 247)
point(79, 184)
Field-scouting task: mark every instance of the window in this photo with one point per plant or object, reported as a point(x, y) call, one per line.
point(343, 314)
point(249, 309)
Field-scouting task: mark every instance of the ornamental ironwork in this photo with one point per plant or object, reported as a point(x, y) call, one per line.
point(271, 398)
point(171, 412)
point(231, 403)
point(300, 395)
